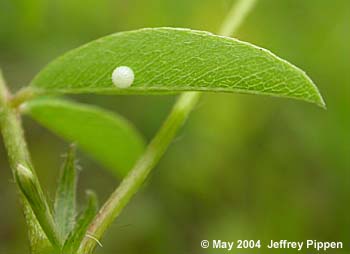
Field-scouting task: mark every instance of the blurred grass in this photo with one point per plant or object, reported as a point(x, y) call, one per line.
point(244, 167)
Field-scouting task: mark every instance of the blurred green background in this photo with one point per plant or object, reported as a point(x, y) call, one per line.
point(244, 167)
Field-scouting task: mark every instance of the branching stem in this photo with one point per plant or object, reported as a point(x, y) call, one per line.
point(13, 136)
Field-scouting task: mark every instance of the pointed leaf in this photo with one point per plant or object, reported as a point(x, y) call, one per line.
point(66, 195)
point(31, 189)
point(167, 60)
point(74, 239)
point(106, 136)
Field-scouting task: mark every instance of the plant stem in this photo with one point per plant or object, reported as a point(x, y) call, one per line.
point(157, 147)
point(16, 146)
point(12, 130)
point(132, 182)
point(23, 95)
point(236, 16)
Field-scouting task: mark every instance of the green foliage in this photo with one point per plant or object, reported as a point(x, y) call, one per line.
point(167, 60)
point(225, 133)
point(74, 239)
point(31, 189)
point(105, 135)
point(62, 229)
point(164, 60)
point(65, 201)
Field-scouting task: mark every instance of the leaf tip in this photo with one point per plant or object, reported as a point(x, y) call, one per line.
point(92, 198)
point(322, 102)
point(314, 95)
point(24, 178)
point(318, 98)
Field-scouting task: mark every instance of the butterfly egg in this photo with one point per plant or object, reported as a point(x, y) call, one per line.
point(123, 77)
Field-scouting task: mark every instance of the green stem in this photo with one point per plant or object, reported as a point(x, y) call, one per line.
point(16, 146)
point(236, 16)
point(12, 130)
point(132, 182)
point(157, 147)
point(23, 95)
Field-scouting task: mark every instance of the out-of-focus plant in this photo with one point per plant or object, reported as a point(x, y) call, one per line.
point(146, 61)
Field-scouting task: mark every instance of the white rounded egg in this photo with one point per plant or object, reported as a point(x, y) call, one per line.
point(123, 77)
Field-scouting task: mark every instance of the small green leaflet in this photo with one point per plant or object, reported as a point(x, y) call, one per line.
point(30, 187)
point(168, 60)
point(75, 237)
point(106, 136)
point(65, 200)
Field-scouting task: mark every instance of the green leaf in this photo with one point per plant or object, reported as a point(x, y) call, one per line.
point(31, 189)
point(104, 135)
point(65, 201)
point(76, 236)
point(166, 60)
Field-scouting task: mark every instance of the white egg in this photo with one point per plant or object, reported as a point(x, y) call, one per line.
point(123, 77)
